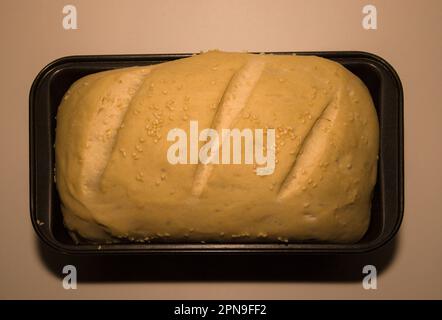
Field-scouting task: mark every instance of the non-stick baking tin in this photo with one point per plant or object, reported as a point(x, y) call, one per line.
point(53, 81)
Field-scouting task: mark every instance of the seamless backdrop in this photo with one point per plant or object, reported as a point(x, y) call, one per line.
point(408, 36)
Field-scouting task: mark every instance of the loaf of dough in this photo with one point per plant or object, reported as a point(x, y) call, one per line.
point(115, 180)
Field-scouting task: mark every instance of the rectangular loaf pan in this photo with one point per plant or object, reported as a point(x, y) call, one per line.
point(53, 81)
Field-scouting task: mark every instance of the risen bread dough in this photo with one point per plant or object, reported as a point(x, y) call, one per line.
point(115, 182)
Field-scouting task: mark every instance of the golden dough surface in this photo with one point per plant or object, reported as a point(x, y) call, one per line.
point(115, 181)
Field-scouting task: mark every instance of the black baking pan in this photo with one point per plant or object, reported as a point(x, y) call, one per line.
point(53, 81)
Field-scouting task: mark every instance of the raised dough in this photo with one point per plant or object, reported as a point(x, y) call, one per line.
point(115, 182)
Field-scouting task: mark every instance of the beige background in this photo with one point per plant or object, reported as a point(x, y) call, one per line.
point(408, 36)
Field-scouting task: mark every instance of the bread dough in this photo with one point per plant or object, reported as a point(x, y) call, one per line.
point(114, 179)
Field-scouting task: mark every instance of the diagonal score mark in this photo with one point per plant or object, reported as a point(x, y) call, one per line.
point(233, 101)
point(143, 78)
point(285, 187)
